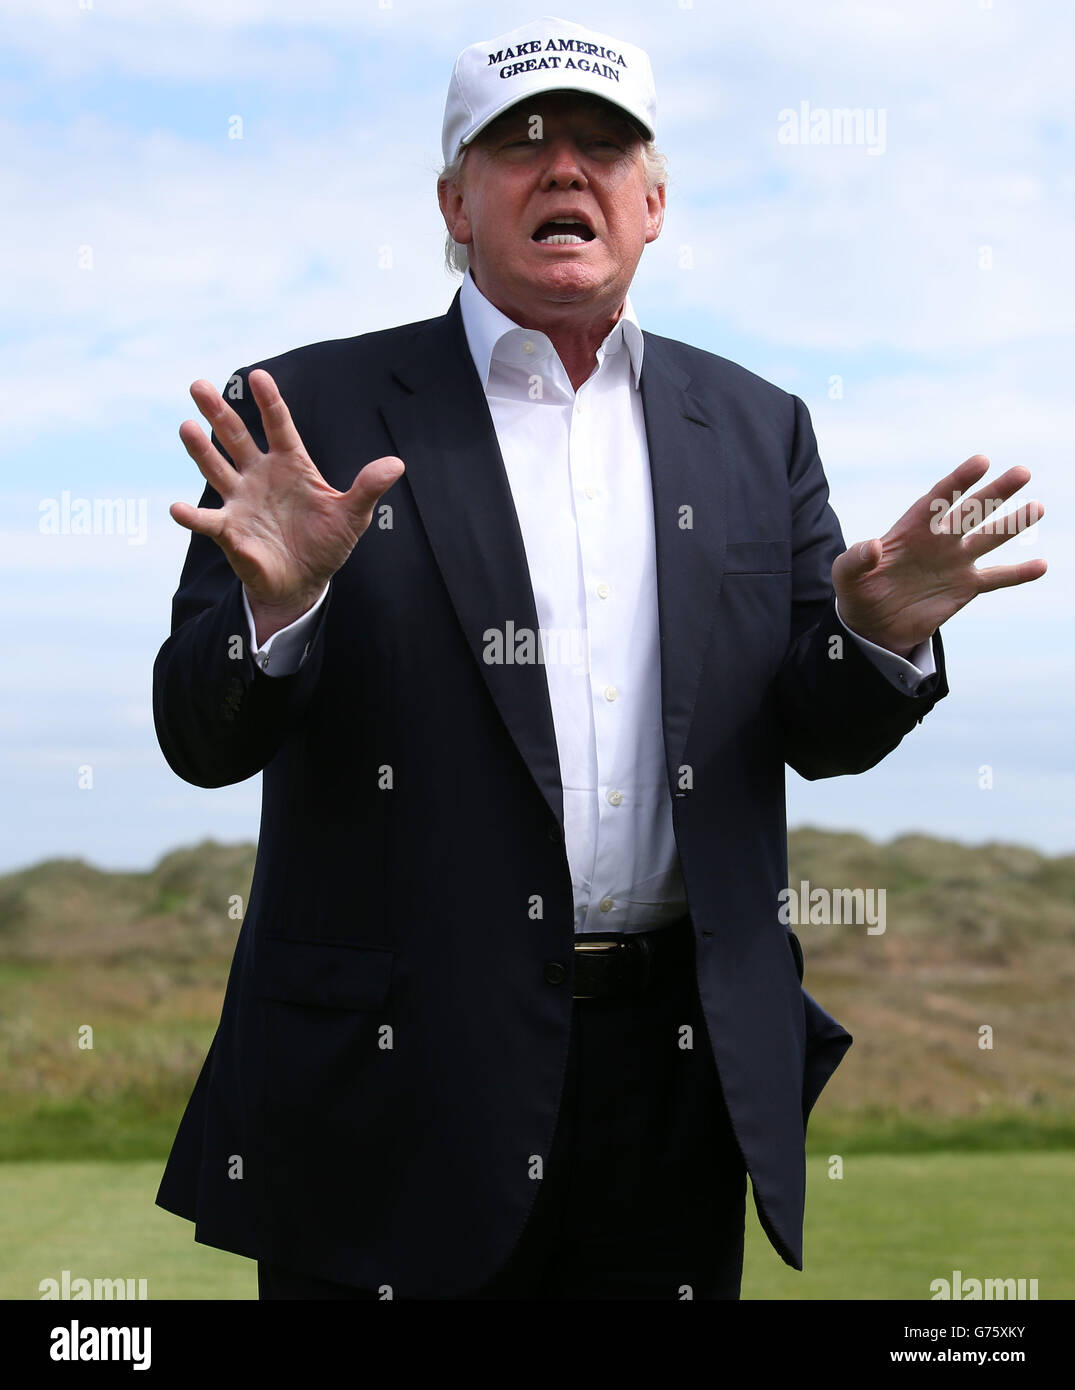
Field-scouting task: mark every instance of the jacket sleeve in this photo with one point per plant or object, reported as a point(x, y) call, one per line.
point(839, 713)
point(219, 719)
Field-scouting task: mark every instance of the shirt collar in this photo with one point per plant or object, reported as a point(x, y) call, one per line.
point(485, 325)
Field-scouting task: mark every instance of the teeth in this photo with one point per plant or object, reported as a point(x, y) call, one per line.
point(563, 239)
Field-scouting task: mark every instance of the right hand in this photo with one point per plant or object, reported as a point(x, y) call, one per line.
point(284, 530)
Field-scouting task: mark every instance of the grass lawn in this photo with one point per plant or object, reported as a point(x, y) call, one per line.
point(886, 1229)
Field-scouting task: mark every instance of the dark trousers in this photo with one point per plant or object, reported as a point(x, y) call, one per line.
point(643, 1194)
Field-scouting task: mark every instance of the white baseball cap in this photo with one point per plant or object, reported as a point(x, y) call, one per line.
point(547, 55)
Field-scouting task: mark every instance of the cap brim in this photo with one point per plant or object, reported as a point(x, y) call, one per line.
point(645, 131)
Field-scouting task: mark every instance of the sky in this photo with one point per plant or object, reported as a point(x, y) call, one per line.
point(191, 186)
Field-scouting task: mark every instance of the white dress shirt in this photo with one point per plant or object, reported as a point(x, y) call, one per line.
point(578, 466)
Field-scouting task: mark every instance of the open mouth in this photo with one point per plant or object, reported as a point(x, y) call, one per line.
point(563, 231)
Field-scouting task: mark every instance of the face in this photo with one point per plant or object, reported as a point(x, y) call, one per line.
point(562, 154)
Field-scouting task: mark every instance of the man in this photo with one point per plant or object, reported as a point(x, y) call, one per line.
point(512, 1013)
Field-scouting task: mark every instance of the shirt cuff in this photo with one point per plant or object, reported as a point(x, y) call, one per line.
point(284, 652)
point(905, 674)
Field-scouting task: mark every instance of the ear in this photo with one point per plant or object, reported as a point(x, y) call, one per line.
point(452, 206)
point(654, 213)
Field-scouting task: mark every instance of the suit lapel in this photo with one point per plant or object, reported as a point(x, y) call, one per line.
point(442, 429)
point(443, 432)
point(688, 475)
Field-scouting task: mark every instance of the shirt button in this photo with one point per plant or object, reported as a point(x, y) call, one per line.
point(615, 798)
point(607, 904)
point(528, 347)
point(611, 692)
point(603, 591)
point(591, 493)
point(555, 973)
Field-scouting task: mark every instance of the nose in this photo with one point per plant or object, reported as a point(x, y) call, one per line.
point(563, 165)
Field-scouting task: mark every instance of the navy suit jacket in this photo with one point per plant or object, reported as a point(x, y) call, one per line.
point(391, 1048)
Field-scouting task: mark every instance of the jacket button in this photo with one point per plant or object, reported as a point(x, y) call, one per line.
point(555, 972)
point(554, 833)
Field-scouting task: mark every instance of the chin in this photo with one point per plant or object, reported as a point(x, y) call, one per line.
point(566, 278)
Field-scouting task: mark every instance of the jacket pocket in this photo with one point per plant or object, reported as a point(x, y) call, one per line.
point(329, 974)
point(757, 557)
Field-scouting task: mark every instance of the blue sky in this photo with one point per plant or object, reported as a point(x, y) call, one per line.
point(143, 248)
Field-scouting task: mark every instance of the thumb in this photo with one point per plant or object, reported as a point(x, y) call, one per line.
point(372, 481)
point(856, 561)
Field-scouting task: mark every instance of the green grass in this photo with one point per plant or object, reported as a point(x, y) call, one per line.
point(125, 1127)
point(98, 1221)
point(894, 1222)
point(884, 1230)
point(140, 1122)
point(884, 1130)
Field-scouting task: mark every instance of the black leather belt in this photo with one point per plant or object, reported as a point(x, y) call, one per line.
point(629, 963)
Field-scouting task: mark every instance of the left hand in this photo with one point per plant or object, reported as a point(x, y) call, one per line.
point(897, 590)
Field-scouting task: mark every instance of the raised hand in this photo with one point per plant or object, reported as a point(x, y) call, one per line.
point(897, 590)
point(284, 530)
